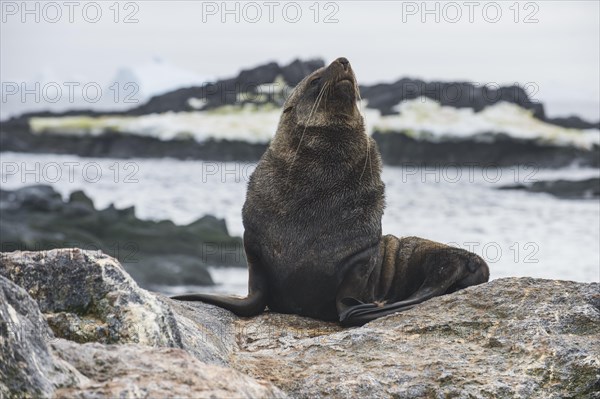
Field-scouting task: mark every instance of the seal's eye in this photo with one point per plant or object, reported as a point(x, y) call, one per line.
point(288, 109)
point(315, 81)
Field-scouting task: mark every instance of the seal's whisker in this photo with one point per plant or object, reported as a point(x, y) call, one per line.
point(329, 91)
point(364, 116)
point(310, 115)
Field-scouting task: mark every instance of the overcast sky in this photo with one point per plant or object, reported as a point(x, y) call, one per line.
point(383, 40)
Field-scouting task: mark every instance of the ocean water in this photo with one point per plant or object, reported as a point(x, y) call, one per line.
point(517, 233)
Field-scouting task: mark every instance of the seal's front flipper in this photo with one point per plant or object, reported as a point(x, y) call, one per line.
point(251, 305)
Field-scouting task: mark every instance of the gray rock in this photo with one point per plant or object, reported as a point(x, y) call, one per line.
point(38, 198)
point(80, 197)
point(514, 337)
point(88, 297)
point(136, 371)
point(510, 338)
point(27, 367)
point(33, 363)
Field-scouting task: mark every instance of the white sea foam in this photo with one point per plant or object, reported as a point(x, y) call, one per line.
point(427, 118)
point(243, 123)
point(422, 118)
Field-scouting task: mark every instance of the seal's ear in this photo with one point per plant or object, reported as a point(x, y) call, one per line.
point(288, 109)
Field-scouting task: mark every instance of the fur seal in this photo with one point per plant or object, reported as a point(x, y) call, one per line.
point(312, 220)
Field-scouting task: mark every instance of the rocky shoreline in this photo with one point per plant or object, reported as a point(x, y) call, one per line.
point(397, 148)
point(154, 253)
point(499, 151)
point(75, 325)
point(565, 189)
point(124, 146)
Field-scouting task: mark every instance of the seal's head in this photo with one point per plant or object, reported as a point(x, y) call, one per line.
point(326, 98)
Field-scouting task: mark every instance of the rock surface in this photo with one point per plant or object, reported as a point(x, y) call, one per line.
point(154, 253)
point(86, 296)
point(135, 371)
point(123, 341)
point(510, 338)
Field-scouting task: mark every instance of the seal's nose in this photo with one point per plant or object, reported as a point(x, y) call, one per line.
point(345, 63)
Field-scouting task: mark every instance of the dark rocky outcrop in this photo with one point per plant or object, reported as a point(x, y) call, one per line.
point(382, 96)
point(396, 148)
point(385, 96)
point(491, 150)
point(221, 92)
point(513, 337)
point(573, 122)
point(567, 189)
point(238, 90)
point(155, 253)
point(123, 146)
point(16, 135)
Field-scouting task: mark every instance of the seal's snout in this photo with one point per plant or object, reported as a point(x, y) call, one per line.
point(340, 72)
point(345, 63)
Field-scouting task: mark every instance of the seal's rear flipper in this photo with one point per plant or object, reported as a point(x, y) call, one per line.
point(353, 317)
point(446, 270)
point(252, 305)
point(360, 313)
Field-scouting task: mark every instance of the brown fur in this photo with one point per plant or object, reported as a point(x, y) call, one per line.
point(312, 220)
